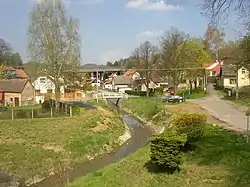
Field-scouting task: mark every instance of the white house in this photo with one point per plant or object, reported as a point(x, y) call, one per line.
point(121, 83)
point(133, 74)
point(44, 85)
point(228, 77)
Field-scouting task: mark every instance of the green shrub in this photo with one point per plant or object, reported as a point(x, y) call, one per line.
point(22, 114)
point(190, 124)
point(46, 104)
point(137, 93)
point(166, 150)
point(76, 110)
point(158, 91)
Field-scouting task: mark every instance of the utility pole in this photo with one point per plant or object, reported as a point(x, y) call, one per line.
point(97, 88)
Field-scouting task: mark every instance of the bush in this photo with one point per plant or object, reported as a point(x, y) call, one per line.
point(166, 150)
point(190, 124)
point(23, 114)
point(46, 104)
point(137, 93)
point(76, 110)
point(158, 91)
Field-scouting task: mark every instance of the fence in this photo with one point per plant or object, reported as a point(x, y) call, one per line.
point(31, 113)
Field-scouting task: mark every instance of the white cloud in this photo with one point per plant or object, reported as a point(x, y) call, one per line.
point(147, 34)
point(151, 5)
point(112, 55)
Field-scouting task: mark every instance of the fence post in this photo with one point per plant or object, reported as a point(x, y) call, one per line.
point(12, 114)
point(51, 112)
point(32, 113)
point(70, 111)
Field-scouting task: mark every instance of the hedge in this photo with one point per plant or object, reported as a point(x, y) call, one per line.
point(152, 92)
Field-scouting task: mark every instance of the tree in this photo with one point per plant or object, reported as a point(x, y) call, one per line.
point(217, 10)
point(245, 47)
point(54, 40)
point(214, 40)
point(16, 60)
point(145, 56)
point(194, 56)
point(5, 50)
point(172, 53)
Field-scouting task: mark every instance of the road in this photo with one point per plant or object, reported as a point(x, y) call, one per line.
point(223, 110)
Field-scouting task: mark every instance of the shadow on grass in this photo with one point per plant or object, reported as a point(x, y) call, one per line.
point(220, 147)
point(153, 168)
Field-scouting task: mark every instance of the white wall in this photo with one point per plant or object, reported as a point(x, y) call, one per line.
point(44, 84)
point(108, 86)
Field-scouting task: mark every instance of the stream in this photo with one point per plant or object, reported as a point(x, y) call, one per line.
point(139, 138)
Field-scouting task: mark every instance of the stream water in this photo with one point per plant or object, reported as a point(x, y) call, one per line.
point(139, 137)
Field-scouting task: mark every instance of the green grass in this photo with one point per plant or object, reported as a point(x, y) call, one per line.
point(143, 106)
point(221, 159)
point(29, 147)
point(28, 107)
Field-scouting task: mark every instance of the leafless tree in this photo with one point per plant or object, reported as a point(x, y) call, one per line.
point(146, 58)
point(54, 40)
point(172, 53)
point(217, 10)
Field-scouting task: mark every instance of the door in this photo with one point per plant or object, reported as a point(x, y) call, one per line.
point(16, 100)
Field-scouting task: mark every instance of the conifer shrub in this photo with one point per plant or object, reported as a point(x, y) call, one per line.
point(166, 150)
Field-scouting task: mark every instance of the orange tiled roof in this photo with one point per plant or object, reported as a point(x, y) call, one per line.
point(21, 73)
point(129, 73)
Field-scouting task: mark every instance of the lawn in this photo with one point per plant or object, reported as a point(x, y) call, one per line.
point(38, 146)
point(221, 159)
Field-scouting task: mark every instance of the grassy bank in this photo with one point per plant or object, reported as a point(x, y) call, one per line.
point(143, 106)
point(38, 146)
point(220, 159)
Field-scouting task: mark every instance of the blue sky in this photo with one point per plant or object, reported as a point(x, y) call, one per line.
point(111, 29)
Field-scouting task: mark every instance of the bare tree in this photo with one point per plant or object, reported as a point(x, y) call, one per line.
point(145, 57)
point(172, 54)
point(217, 10)
point(54, 40)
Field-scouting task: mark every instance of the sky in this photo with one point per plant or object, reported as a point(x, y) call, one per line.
point(112, 29)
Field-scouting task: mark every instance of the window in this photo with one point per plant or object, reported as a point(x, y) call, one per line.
point(11, 99)
point(42, 80)
point(243, 71)
point(232, 81)
point(49, 91)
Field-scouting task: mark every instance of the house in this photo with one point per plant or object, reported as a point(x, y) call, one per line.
point(133, 74)
point(140, 85)
point(122, 83)
point(44, 86)
point(228, 77)
point(108, 85)
point(16, 92)
point(214, 67)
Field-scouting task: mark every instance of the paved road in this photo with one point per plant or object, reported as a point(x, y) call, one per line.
point(223, 110)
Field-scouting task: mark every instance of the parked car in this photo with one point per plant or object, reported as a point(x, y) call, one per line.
point(173, 98)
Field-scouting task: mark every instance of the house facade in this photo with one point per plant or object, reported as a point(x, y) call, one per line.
point(228, 77)
point(133, 74)
point(16, 92)
point(121, 83)
point(44, 85)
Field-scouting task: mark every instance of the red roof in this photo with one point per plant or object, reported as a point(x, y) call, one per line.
point(21, 73)
point(129, 73)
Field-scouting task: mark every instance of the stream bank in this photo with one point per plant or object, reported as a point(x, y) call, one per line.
point(139, 138)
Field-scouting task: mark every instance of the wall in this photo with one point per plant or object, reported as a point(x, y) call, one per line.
point(135, 76)
point(28, 94)
point(8, 96)
point(46, 85)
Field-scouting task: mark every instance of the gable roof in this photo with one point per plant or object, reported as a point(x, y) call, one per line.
point(130, 73)
point(122, 80)
point(13, 85)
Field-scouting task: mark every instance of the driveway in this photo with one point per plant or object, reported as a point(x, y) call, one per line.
point(223, 110)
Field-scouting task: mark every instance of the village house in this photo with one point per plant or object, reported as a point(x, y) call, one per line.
point(140, 84)
point(133, 74)
point(16, 92)
point(228, 77)
point(122, 83)
point(45, 87)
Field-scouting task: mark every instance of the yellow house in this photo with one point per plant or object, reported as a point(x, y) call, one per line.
point(228, 77)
